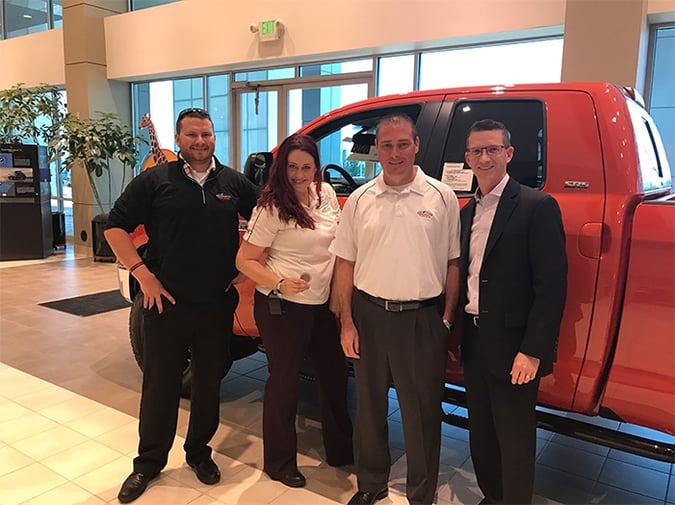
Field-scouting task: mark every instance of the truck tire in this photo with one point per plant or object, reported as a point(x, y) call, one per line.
point(137, 338)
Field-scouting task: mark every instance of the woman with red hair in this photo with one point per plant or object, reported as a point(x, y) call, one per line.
point(291, 228)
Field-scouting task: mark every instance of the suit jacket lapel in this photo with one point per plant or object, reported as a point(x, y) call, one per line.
point(507, 204)
point(466, 217)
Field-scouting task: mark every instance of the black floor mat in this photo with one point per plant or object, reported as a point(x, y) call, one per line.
point(89, 305)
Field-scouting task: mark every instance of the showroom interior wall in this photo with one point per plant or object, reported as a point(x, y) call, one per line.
point(604, 39)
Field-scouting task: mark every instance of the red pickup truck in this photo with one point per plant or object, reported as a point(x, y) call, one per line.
point(594, 148)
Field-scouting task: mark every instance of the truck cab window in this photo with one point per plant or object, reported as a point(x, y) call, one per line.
point(349, 143)
point(525, 121)
point(652, 159)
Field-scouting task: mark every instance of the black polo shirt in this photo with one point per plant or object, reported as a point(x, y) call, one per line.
point(193, 230)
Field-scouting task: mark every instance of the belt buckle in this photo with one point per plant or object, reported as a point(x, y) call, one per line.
point(393, 304)
point(475, 321)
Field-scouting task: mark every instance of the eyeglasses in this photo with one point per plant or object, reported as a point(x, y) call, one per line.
point(475, 152)
point(193, 110)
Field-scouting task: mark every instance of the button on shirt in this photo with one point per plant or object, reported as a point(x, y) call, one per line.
point(486, 207)
point(400, 240)
point(293, 251)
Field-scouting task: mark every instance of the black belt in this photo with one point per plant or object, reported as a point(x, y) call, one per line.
point(475, 320)
point(399, 305)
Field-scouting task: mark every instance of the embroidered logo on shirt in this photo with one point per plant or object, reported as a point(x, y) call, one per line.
point(223, 197)
point(425, 214)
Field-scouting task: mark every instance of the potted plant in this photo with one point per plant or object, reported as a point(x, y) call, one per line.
point(30, 115)
point(98, 144)
point(104, 147)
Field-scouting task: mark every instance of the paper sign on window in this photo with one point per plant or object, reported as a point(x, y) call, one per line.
point(457, 177)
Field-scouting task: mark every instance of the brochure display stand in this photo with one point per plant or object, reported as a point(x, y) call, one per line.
point(25, 207)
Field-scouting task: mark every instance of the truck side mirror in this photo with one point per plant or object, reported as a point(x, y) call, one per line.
point(257, 167)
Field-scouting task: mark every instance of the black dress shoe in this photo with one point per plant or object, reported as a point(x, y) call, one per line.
point(295, 479)
point(368, 497)
point(133, 487)
point(207, 471)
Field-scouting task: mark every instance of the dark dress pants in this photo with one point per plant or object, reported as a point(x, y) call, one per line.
point(409, 348)
point(502, 429)
point(302, 331)
point(207, 329)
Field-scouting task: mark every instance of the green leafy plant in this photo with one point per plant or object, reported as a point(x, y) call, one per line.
point(37, 115)
point(31, 114)
point(96, 143)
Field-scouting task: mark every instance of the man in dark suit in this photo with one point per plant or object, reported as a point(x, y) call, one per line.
point(513, 284)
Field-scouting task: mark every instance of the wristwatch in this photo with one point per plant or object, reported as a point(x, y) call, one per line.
point(277, 288)
point(450, 325)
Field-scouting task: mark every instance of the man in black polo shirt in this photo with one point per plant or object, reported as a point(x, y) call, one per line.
point(190, 210)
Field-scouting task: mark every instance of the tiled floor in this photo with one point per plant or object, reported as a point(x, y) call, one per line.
point(69, 390)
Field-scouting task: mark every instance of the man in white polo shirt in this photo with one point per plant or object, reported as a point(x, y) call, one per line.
point(397, 249)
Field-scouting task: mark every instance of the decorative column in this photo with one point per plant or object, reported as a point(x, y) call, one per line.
point(606, 40)
point(89, 91)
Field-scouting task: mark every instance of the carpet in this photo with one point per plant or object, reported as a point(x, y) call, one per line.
point(89, 305)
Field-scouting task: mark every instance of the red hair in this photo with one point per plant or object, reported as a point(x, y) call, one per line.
point(278, 191)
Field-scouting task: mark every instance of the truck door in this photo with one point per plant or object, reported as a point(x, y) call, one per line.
point(557, 150)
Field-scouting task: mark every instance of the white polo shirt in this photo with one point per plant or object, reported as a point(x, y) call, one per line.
point(293, 251)
point(400, 241)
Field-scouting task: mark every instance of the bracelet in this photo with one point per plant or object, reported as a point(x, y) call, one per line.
point(135, 266)
point(277, 288)
point(450, 325)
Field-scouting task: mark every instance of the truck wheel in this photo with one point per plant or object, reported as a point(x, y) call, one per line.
point(137, 337)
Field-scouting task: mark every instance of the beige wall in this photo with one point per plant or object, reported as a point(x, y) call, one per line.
point(33, 59)
point(155, 43)
point(314, 29)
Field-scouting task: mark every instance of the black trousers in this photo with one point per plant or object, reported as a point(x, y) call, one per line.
point(207, 330)
point(302, 331)
point(409, 348)
point(502, 429)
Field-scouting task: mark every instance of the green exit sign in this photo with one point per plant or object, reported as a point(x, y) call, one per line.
point(270, 30)
point(267, 28)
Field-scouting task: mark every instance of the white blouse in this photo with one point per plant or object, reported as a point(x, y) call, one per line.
point(299, 252)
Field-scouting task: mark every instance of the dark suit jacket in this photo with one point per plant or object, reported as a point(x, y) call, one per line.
point(523, 280)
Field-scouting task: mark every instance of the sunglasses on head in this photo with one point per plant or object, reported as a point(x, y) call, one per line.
point(193, 111)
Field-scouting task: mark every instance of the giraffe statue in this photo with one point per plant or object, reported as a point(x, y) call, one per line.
point(158, 156)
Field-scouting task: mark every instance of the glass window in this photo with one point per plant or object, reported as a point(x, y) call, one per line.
point(23, 17)
point(306, 104)
point(218, 105)
point(187, 93)
point(352, 148)
point(654, 169)
point(157, 100)
point(61, 189)
point(163, 101)
point(265, 75)
point(137, 5)
point(662, 89)
point(523, 118)
point(396, 74)
point(57, 13)
point(348, 144)
point(337, 68)
point(258, 119)
point(509, 63)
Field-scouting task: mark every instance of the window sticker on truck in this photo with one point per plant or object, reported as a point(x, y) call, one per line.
point(455, 176)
